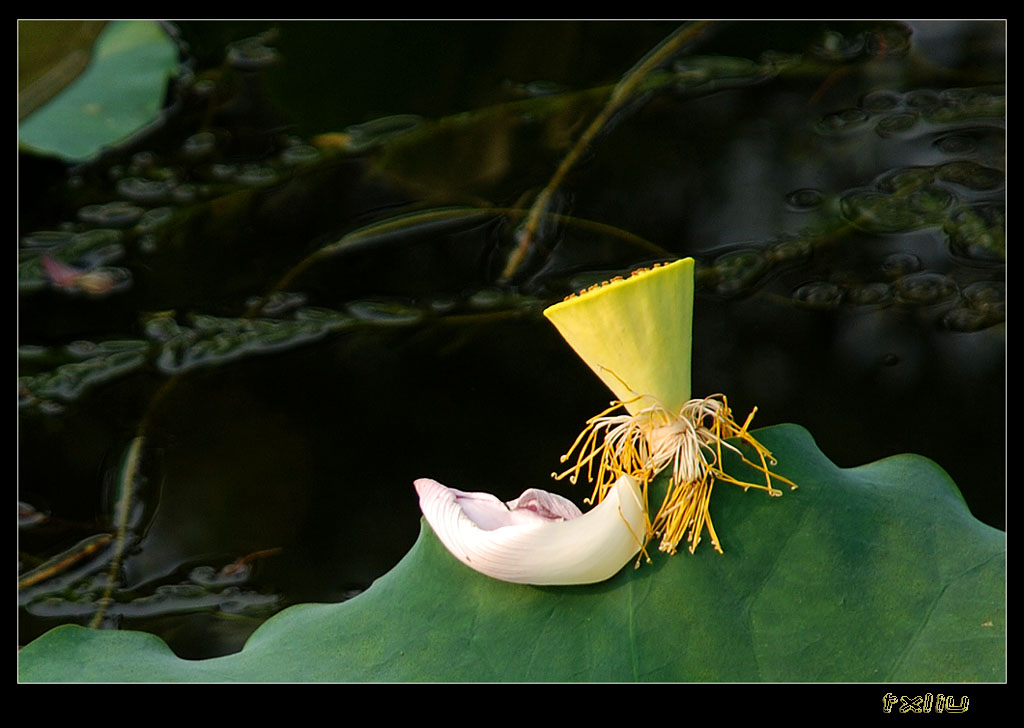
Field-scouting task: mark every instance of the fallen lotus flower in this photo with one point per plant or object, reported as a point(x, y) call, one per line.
point(538, 538)
point(95, 282)
point(635, 334)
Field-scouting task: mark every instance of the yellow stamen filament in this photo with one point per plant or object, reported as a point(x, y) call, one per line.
point(691, 441)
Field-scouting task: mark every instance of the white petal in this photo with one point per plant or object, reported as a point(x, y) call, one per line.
point(534, 548)
point(483, 509)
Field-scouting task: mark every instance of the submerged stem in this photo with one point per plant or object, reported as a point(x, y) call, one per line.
point(385, 230)
point(126, 485)
point(622, 92)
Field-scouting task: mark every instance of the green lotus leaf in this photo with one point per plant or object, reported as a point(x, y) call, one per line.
point(875, 573)
point(119, 92)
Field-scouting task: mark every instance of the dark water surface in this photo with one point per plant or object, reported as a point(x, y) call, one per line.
point(841, 186)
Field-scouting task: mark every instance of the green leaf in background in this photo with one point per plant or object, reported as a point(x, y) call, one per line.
point(875, 573)
point(120, 92)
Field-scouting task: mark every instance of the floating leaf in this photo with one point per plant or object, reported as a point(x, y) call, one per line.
point(876, 573)
point(120, 92)
point(96, 364)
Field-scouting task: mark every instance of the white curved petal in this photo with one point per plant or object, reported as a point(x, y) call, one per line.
point(483, 509)
point(540, 540)
point(545, 505)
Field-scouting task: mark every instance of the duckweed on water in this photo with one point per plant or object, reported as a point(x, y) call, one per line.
point(253, 54)
point(118, 214)
point(869, 294)
point(739, 271)
point(821, 294)
point(47, 239)
point(897, 265)
point(971, 175)
point(387, 313)
point(978, 232)
point(255, 175)
point(214, 340)
point(892, 113)
point(956, 143)
point(199, 146)
point(967, 319)
point(299, 154)
point(804, 199)
point(791, 249)
point(845, 121)
point(877, 212)
point(909, 198)
point(881, 101)
point(69, 381)
point(894, 124)
point(925, 289)
point(987, 296)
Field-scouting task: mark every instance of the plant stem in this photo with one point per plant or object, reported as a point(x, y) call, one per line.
point(622, 91)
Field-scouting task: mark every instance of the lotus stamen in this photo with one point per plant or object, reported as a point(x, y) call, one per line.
point(690, 442)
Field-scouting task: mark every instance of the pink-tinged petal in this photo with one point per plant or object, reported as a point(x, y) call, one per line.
point(546, 505)
point(60, 274)
point(543, 539)
point(485, 510)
